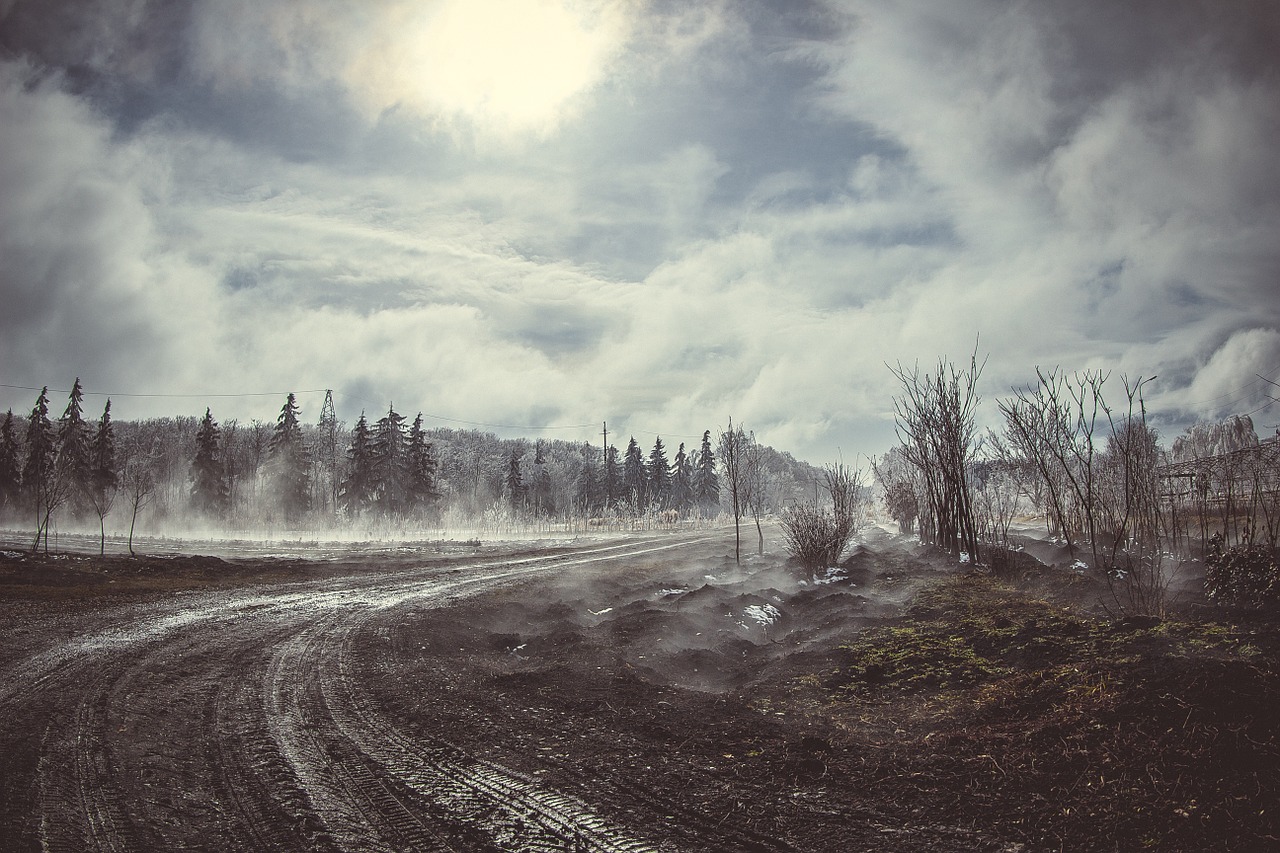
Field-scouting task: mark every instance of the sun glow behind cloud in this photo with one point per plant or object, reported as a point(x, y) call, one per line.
point(502, 66)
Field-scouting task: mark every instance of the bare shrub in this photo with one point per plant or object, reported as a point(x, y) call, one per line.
point(934, 420)
point(816, 536)
point(813, 536)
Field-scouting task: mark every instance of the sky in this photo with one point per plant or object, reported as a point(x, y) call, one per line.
point(540, 215)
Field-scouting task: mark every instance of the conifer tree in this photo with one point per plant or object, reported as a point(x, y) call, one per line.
point(103, 478)
point(289, 462)
point(633, 475)
point(659, 475)
point(587, 497)
point(543, 499)
point(357, 490)
point(73, 452)
point(612, 485)
point(515, 481)
point(44, 487)
point(391, 464)
point(208, 488)
point(706, 483)
point(422, 467)
point(681, 481)
point(10, 467)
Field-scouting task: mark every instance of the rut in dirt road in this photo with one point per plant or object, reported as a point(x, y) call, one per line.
point(230, 721)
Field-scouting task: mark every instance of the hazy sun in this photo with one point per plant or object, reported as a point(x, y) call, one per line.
point(506, 65)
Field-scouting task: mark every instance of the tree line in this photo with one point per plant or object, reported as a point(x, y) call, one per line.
point(383, 474)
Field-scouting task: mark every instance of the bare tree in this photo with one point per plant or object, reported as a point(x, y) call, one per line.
point(756, 482)
point(934, 419)
point(139, 487)
point(734, 459)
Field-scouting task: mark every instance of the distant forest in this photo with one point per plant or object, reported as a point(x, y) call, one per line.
point(385, 472)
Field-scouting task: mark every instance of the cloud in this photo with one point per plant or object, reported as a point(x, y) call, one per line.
point(727, 209)
point(75, 235)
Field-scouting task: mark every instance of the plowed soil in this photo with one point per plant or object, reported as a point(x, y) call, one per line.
point(631, 694)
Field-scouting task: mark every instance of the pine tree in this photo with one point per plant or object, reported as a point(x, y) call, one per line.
point(357, 490)
point(73, 452)
point(611, 476)
point(706, 484)
point(633, 474)
point(40, 472)
point(659, 475)
point(289, 462)
point(10, 469)
point(515, 481)
point(391, 464)
point(103, 477)
point(208, 488)
point(422, 468)
point(681, 481)
point(587, 497)
point(543, 499)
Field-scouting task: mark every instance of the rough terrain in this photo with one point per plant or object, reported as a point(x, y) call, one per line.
point(639, 693)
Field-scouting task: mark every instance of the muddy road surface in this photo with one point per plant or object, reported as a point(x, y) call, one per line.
point(611, 696)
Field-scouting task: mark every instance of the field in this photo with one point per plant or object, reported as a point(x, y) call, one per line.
point(623, 694)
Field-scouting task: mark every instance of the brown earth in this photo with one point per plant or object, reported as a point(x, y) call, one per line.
point(624, 695)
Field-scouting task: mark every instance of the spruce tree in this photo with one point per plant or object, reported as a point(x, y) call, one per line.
point(706, 484)
point(10, 468)
point(422, 468)
point(612, 485)
point(659, 475)
point(39, 473)
point(356, 492)
point(543, 499)
point(208, 488)
point(103, 477)
point(73, 452)
point(289, 462)
point(633, 474)
point(681, 481)
point(515, 481)
point(391, 464)
point(587, 497)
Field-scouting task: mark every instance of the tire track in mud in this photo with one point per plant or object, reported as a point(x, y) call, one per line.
point(233, 722)
point(512, 808)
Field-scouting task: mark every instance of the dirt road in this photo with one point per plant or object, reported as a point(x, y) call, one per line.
point(613, 696)
point(236, 721)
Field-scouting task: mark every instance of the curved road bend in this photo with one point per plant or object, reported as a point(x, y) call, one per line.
point(227, 721)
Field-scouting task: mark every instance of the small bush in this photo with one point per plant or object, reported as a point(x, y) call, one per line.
point(814, 536)
point(1244, 574)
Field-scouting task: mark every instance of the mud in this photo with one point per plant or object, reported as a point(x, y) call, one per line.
point(640, 694)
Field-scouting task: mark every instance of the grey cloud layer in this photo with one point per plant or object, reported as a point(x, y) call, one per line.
point(753, 210)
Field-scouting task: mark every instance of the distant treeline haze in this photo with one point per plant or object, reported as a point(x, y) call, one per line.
point(79, 468)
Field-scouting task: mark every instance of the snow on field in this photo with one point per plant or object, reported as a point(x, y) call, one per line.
point(763, 614)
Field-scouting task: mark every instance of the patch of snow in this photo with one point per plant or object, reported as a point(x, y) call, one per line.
point(1079, 567)
point(964, 556)
point(764, 614)
point(709, 578)
point(833, 574)
point(599, 612)
point(663, 593)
